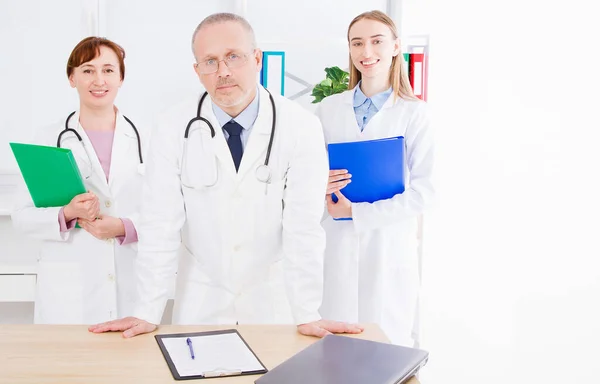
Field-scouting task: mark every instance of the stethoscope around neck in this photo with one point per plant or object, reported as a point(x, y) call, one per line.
point(263, 171)
point(67, 129)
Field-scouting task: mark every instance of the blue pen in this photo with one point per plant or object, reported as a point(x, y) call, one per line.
point(189, 343)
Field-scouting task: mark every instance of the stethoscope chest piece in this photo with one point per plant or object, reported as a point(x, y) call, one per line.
point(263, 173)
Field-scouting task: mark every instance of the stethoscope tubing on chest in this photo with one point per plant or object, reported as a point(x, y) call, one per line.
point(67, 129)
point(263, 172)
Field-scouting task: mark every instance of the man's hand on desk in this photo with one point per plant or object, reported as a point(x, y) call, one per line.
point(323, 328)
point(132, 326)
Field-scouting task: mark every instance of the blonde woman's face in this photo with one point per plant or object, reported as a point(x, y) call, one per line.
point(372, 47)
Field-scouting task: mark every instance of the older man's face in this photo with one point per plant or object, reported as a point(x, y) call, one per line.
point(231, 88)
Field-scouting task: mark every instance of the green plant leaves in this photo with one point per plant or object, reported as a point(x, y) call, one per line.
point(336, 74)
point(336, 81)
point(326, 83)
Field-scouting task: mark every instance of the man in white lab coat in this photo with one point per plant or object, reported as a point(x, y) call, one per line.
point(253, 231)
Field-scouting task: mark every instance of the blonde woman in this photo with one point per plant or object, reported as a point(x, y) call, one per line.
point(371, 264)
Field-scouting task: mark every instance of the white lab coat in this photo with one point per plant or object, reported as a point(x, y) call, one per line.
point(371, 263)
point(255, 250)
point(81, 279)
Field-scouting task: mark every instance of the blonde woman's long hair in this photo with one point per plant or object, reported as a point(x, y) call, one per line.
point(398, 77)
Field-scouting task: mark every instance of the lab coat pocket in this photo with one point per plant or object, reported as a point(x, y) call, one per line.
point(275, 189)
point(267, 216)
point(199, 168)
point(274, 203)
point(282, 311)
point(59, 293)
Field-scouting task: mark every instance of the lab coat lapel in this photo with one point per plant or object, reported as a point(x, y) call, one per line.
point(349, 97)
point(258, 142)
point(367, 133)
point(371, 131)
point(97, 178)
point(390, 102)
point(349, 115)
point(124, 150)
point(219, 144)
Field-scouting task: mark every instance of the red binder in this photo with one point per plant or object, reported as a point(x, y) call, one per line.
point(417, 74)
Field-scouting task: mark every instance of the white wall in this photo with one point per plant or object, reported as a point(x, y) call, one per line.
point(33, 35)
point(512, 267)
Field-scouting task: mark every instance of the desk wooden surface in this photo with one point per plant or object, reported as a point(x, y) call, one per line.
point(70, 354)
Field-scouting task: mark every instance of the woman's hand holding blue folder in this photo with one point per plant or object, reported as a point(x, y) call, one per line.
point(367, 171)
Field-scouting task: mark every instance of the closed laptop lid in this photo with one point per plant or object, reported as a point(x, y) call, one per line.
point(340, 359)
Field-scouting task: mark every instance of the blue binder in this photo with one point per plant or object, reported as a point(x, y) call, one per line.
point(377, 168)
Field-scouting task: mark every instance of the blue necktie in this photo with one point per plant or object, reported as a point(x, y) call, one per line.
point(235, 142)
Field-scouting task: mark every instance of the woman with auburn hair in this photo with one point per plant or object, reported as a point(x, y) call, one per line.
point(85, 266)
point(371, 262)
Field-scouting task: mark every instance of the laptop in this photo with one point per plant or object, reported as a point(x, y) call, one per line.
point(341, 359)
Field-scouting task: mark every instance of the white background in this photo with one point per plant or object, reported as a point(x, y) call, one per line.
point(511, 259)
point(511, 279)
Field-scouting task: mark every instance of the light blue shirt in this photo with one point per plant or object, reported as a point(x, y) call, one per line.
point(246, 119)
point(366, 107)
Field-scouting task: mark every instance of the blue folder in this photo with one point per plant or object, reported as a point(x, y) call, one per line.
point(377, 168)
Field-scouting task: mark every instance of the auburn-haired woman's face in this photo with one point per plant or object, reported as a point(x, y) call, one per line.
point(98, 80)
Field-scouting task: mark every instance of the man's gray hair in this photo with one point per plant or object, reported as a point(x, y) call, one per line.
point(217, 18)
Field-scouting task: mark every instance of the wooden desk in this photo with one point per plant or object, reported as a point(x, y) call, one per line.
point(70, 354)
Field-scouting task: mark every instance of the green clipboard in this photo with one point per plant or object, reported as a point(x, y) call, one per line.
point(51, 174)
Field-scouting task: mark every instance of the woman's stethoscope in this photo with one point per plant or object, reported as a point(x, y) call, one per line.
point(263, 172)
point(67, 129)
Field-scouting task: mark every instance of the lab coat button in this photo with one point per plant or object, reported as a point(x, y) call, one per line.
point(237, 248)
point(107, 203)
point(111, 277)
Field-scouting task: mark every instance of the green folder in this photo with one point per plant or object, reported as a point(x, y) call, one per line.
point(51, 174)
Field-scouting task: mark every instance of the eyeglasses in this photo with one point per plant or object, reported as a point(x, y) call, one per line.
point(233, 60)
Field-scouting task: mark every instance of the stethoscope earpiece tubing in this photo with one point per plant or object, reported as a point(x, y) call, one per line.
point(67, 129)
point(212, 129)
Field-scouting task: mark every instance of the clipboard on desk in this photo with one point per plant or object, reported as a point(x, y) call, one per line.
point(203, 355)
